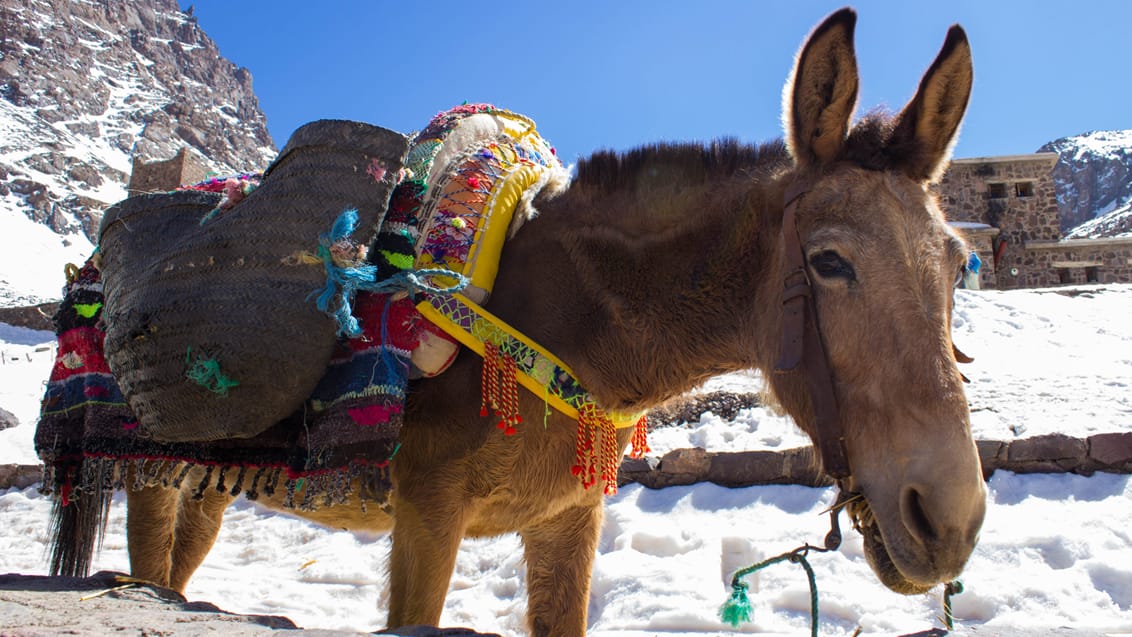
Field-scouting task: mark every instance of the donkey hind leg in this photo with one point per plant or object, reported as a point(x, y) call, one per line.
point(559, 554)
point(420, 564)
point(151, 516)
point(198, 525)
point(169, 533)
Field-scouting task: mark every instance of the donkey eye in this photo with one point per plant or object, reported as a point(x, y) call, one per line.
point(829, 265)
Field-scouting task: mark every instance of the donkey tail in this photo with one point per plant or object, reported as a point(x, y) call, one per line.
point(78, 525)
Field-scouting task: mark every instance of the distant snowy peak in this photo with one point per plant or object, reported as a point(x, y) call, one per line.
point(1096, 144)
point(1093, 178)
point(87, 84)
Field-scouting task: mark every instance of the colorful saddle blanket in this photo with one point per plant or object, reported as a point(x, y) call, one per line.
point(469, 181)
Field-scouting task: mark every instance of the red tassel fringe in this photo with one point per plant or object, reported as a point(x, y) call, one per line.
point(589, 454)
point(640, 440)
point(584, 452)
point(499, 388)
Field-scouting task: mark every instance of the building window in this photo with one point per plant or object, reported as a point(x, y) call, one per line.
point(1024, 189)
point(1093, 275)
point(996, 191)
point(1063, 276)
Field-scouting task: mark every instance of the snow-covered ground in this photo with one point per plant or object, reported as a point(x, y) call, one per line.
point(29, 281)
point(1056, 550)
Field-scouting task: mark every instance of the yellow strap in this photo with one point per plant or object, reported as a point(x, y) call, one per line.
point(483, 259)
point(620, 420)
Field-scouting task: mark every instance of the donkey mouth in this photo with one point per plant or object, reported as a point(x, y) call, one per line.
point(878, 557)
point(877, 553)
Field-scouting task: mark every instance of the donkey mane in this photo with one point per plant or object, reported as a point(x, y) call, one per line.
point(694, 163)
point(874, 143)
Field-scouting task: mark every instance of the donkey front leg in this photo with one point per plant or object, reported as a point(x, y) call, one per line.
point(425, 543)
point(560, 554)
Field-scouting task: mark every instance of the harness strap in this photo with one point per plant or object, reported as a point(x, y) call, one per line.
point(802, 342)
point(540, 371)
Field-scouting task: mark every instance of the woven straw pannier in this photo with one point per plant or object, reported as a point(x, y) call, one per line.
point(212, 330)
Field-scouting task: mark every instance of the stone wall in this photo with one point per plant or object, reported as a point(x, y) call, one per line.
point(1052, 453)
point(1006, 210)
point(1016, 195)
point(1077, 261)
point(162, 176)
point(980, 239)
point(36, 317)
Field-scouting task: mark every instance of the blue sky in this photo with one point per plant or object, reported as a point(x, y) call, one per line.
point(620, 74)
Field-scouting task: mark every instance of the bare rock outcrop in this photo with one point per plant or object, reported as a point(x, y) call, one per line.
point(1093, 175)
point(87, 86)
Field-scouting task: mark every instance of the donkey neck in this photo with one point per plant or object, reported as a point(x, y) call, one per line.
point(646, 292)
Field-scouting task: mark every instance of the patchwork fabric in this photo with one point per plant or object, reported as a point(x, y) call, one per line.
point(89, 439)
point(470, 177)
point(234, 190)
point(358, 405)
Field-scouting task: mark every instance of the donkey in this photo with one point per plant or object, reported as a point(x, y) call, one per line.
point(823, 261)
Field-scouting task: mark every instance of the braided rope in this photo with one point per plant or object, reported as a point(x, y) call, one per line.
point(950, 589)
point(737, 608)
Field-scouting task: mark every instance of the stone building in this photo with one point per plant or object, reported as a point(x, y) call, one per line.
point(160, 176)
point(1006, 209)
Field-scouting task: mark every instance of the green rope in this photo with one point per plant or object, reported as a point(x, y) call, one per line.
point(206, 373)
point(951, 588)
point(737, 608)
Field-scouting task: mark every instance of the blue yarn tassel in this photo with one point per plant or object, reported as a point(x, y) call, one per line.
point(345, 282)
point(344, 226)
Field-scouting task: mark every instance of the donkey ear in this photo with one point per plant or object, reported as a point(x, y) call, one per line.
point(926, 129)
point(819, 99)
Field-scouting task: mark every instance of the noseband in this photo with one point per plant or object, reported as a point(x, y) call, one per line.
point(802, 341)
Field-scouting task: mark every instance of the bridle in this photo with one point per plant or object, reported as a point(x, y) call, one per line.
point(802, 341)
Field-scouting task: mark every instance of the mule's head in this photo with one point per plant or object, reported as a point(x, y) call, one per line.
point(882, 265)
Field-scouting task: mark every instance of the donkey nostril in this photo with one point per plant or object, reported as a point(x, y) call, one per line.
point(915, 516)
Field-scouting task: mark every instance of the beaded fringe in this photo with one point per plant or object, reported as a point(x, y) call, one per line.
point(500, 388)
point(305, 493)
point(596, 443)
point(596, 447)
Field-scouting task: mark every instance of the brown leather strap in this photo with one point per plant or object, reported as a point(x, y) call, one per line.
point(802, 343)
point(796, 293)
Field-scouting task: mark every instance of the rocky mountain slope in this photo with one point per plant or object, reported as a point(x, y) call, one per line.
point(87, 84)
point(1094, 181)
point(1116, 223)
